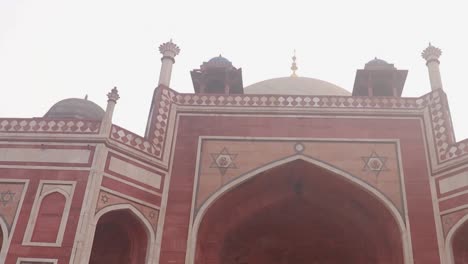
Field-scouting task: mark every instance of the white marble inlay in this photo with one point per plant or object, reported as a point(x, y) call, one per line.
point(453, 182)
point(135, 172)
point(44, 155)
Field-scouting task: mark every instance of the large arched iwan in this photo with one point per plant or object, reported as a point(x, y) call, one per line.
point(298, 213)
point(119, 238)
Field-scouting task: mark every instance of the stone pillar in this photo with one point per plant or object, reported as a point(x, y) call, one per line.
point(106, 122)
point(169, 50)
point(431, 54)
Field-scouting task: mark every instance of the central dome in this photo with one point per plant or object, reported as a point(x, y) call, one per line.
point(295, 86)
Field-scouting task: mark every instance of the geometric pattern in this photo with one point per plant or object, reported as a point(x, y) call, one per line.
point(167, 97)
point(434, 103)
point(374, 163)
point(128, 138)
point(35, 125)
point(223, 161)
point(10, 197)
point(6, 197)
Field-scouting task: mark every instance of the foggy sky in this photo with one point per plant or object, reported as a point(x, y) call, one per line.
point(55, 49)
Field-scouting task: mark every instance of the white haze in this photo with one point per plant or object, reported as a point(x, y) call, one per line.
point(56, 49)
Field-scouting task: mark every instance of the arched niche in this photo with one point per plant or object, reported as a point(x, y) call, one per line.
point(298, 210)
point(122, 236)
point(49, 217)
point(457, 242)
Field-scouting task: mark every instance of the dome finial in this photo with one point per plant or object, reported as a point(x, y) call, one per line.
point(294, 65)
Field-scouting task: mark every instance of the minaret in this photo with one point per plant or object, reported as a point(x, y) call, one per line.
point(294, 65)
point(431, 54)
point(169, 50)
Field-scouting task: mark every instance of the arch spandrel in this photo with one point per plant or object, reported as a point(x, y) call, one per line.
point(10, 194)
point(107, 199)
point(375, 163)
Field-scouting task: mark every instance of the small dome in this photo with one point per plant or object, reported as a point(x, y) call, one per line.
point(74, 108)
point(219, 61)
point(295, 86)
point(378, 64)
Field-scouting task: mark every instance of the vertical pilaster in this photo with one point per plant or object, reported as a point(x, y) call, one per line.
point(85, 231)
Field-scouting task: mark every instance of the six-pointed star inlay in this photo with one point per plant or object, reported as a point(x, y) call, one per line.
point(6, 197)
point(223, 161)
point(374, 163)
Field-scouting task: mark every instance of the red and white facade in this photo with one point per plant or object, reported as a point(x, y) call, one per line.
point(239, 178)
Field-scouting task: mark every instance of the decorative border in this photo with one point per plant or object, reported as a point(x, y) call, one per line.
point(37, 204)
point(43, 125)
point(435, 102)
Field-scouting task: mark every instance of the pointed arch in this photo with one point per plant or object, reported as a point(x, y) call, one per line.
point(4, 239)
point(450, 236)
point(48, 225)
point(48, 188)
point(150, 250)
point(199, 215)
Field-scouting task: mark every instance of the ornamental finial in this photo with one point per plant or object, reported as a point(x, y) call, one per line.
point(113, 95)
point(294, 65)
point(431, 53)
point(169, 49)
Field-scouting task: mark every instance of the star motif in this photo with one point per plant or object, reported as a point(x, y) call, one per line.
point(104, 198)
point(6, 197)
point(374, 163)
point(223, 161)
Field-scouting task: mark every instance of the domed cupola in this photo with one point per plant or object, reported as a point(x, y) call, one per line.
point(217, 62)
point(379, 78)
point(75, 108)
point(378, 64)
point(217, 76)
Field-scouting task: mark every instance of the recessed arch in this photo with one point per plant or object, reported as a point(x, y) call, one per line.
point(381, 198)
point(61, 190)
point(3, 239)
point(138, 216)
point(50, 216)
point(449, 251)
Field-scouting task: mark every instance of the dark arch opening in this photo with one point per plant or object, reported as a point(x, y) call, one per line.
point(1, 238)
point(460, 245)
point(298, 213)
point(120, 238)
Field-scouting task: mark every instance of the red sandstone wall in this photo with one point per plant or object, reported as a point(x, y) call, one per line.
point(47, 225)
point(407, 131)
